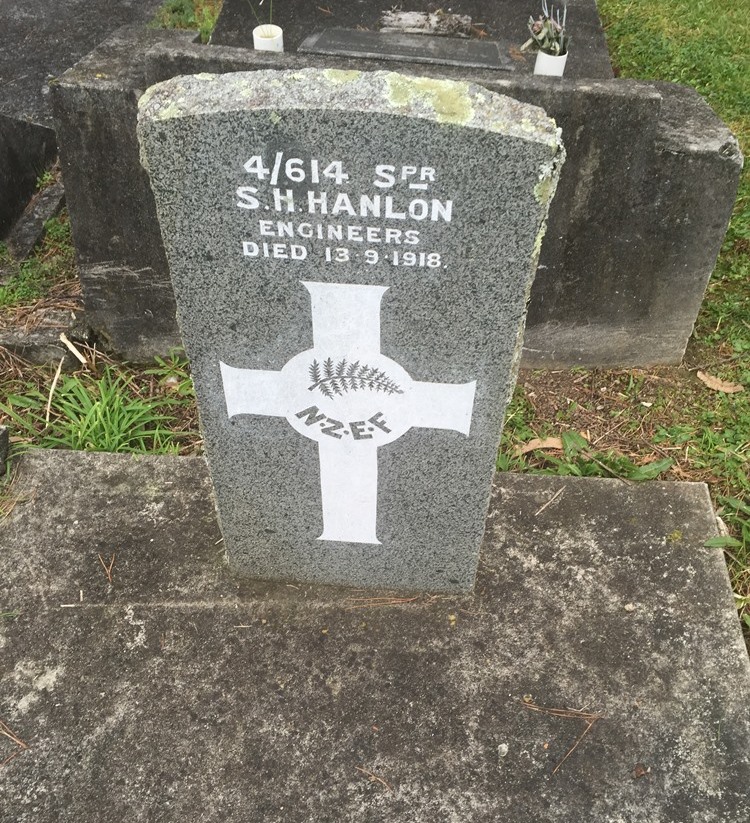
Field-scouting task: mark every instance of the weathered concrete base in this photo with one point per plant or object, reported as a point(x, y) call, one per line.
point(180, 694)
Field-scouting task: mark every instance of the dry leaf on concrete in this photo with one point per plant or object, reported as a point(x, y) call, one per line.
point(539, 443)
point(719, 385)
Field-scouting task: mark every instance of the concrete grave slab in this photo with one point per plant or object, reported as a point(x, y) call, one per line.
point(180, 693)
point(353, 329)
point(502, 22)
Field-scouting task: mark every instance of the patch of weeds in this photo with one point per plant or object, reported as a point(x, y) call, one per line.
point(57, 237)
point(45, 179)
point(101, 407)
point(52, 264)
point(517, 430)
point(574, 457)
point(28, 284)
point(735, 514)
point(10, 615)
point(169, 383)
point(90, 414)
point(173, 376)
point(189, 14)
point(723, 443)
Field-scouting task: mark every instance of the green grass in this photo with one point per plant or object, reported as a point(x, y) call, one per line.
point(91, 414)
point(189, 14)
point(112, 408)
point(52, 262)
point(704, 44)
point(45, 179)
point(666, 419)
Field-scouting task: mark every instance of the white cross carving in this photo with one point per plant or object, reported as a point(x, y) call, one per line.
point(351, 399)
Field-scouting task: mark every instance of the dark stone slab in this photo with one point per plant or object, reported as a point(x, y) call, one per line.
point(40, 40)
point(26, 150)
point(502, 20)
point(121, 263)
point(177, 688)
point(412, 48)
point(29, 228)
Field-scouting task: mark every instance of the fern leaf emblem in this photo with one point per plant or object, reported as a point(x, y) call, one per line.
point(332, 379)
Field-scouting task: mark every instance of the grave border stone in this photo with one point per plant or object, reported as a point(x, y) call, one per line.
point(654, 276)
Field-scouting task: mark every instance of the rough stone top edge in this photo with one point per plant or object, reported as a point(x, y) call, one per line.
point(379, 92)
point(237, 58)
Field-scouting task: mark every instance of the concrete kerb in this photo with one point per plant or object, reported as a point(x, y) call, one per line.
point(176, 687)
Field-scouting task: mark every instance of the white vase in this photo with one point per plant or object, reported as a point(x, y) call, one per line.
point(268, 38)
point(552, 65)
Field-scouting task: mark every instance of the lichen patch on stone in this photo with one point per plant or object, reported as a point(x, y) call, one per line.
point(450, 101)
point(342, 76)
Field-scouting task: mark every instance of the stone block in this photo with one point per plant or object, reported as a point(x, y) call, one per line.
point(623, 267)
point(353, 328)
point(124, 278)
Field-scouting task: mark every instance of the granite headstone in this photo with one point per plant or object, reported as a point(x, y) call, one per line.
point(352, 255)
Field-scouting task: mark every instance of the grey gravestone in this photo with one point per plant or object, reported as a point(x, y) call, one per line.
point(351, 284)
